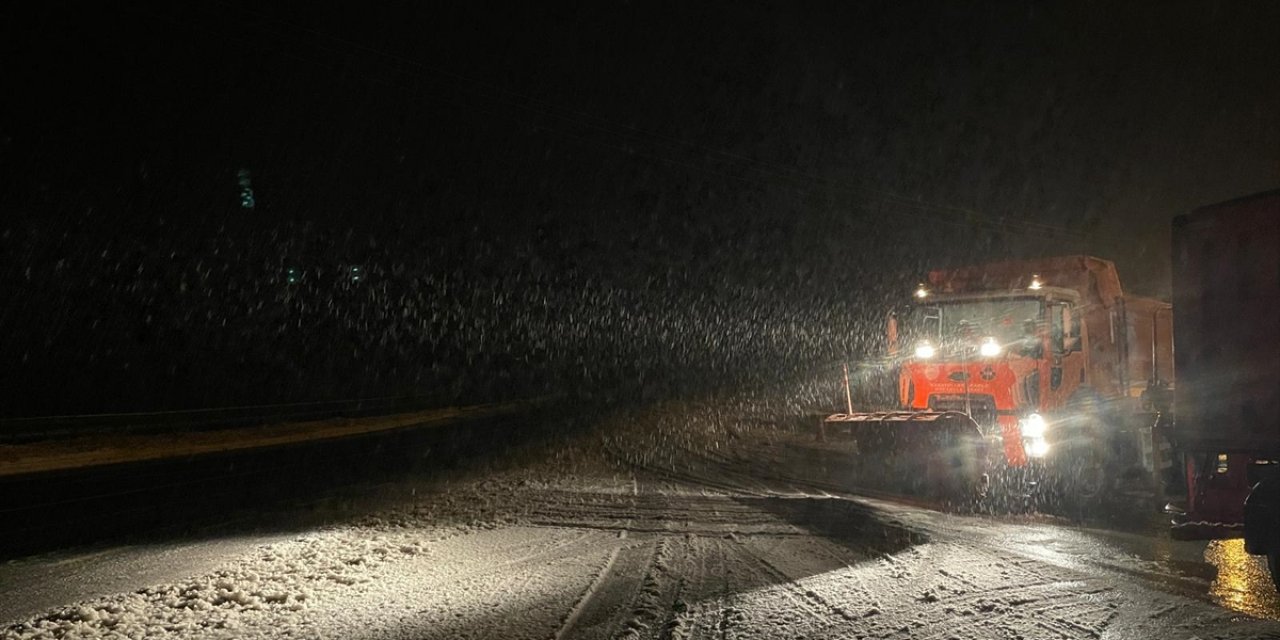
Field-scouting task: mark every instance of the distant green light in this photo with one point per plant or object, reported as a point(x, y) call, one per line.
point(246, 189)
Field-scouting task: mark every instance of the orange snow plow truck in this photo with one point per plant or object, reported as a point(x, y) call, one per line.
point(1028, 377)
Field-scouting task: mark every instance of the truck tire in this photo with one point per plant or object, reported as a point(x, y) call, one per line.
point(1086, 476)
point(1010, 491)
point(1082, 470)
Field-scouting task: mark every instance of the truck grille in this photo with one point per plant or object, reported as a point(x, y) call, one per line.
point(983, 407)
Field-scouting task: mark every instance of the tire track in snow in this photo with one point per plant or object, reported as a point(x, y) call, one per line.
point(584, 600)
point(599, 614)
point(930, 605)
point(711, 515)
point(951, 622)
point(650, 600)
point(547, 549)
point(818, 607)
point(525, 583)
point(1065, 596)
point(627, 597)
point(487, 590)
point(744, 601)
point(728, 616)
point(703, 596)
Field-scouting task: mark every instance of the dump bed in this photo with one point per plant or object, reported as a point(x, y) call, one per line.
point(1149, 349)
point(1226, 305)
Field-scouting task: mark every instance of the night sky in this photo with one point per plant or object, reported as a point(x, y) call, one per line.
point(608, 196)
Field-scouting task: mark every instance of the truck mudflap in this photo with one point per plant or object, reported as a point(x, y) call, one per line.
point(937, 455)
point(1180, 529)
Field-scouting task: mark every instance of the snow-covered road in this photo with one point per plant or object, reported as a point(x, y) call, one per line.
point(588, 548)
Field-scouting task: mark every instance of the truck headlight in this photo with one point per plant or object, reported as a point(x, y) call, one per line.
point(989, 348)
point(1033, 426)
point(925, 351)
point(1037, 447)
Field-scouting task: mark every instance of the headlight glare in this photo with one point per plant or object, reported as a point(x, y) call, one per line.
point(989, 348)
point(1033, 426)
point(1037, 447)
point(925, 351)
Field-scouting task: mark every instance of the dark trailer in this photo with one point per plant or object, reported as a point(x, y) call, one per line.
point(1226, 305)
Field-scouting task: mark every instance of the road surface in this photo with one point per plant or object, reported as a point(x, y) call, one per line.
point(574, 542)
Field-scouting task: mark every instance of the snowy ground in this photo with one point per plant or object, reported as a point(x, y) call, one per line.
point(681, 542)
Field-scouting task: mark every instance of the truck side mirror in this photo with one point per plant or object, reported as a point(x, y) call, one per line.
point(1058, 328)
point(1064, 329)
point(1071, 341)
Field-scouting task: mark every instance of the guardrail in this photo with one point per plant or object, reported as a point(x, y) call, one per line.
point(27, 429)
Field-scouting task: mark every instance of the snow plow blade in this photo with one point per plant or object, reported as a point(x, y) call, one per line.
point(936, 455)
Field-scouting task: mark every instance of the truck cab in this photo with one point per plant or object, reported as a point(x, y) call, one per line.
point(1007, 359)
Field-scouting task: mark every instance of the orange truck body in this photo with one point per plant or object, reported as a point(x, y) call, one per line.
point(1095, 341)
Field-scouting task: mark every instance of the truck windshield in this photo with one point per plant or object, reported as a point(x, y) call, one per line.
point(1008, 320)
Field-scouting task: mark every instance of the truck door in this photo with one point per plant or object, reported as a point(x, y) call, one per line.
point(1066, 359)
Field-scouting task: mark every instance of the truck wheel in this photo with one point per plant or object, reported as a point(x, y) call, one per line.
point(1078, 485)
point(1011, 490)
point(1086, 477)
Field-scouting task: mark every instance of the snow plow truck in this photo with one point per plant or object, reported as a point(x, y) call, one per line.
point(1023, 378)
